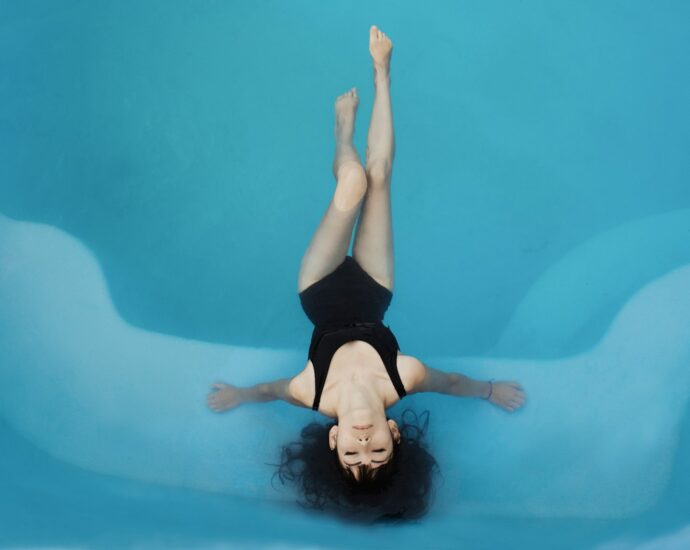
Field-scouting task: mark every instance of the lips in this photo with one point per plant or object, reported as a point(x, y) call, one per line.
point(358, 427)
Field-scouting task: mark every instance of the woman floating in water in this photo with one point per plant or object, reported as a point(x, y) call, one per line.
point(355, 370)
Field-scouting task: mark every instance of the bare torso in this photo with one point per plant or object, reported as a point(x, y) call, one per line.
point(355, 361)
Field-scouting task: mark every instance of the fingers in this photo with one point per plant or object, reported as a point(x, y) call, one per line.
point(513, 404)
point(515, 399)
point(518, 392)
point(212, 403)
point(509, 399)
point(216, 406)
point(217, 398)
point(213, 400)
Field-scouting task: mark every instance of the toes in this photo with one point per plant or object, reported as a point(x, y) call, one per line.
point(351, 93)
point(375, 33)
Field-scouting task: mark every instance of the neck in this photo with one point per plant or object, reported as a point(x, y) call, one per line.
point(359, 401)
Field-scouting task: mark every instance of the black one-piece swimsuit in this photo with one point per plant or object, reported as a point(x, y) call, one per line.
point(345, 305)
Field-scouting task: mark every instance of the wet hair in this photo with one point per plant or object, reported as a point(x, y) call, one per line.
point(396, 491)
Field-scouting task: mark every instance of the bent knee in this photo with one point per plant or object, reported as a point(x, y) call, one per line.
point(378, 173)
point(351, 187)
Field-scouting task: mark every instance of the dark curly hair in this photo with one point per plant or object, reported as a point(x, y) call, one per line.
point(397, 491)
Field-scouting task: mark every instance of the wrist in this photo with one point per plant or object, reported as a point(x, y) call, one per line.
point(464, 386)
point(488, 389)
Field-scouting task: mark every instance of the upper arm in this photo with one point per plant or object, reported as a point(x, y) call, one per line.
point(285, 389)
point(411, 372)
point(297, 388)
point(428, 379)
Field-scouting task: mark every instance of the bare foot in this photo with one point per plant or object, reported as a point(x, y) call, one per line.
point(347, 166)
point(381, 48)
point(345, 111)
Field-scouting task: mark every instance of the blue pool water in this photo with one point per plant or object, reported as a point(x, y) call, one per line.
point(164, 165)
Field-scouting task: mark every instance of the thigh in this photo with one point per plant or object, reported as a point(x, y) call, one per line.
point(331, 240)
point(373, 245)
point(328, 246)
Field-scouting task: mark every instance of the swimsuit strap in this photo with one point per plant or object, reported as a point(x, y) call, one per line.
point(392, 364)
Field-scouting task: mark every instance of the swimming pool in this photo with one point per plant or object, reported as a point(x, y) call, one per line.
point(164, 167)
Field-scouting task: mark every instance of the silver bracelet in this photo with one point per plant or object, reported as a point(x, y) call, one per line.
point(491, 389)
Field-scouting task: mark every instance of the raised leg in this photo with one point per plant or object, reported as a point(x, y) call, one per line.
point(331, 240)
point(373, 245)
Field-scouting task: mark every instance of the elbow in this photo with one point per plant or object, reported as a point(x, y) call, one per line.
point(265, 392)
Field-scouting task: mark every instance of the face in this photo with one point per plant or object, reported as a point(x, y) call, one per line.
point(368, 443)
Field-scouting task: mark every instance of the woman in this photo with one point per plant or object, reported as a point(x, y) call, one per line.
point(355, 370)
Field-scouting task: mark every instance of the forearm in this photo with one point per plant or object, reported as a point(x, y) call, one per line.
point(464, 386)
point(260, 393)
point(450, 383)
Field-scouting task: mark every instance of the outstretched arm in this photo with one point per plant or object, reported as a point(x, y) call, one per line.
point(506, 394)
point(226, 396)
point(451, 383)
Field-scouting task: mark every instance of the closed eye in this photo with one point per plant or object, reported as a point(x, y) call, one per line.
point(373, 461)
point(376, 451)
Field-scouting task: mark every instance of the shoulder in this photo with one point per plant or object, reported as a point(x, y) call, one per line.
point(301, 386)
point(412, 372)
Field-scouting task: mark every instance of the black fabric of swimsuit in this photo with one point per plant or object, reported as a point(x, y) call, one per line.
point(345, 305)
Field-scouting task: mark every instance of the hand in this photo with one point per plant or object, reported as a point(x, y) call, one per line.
point(224, 397)
point(508, 395)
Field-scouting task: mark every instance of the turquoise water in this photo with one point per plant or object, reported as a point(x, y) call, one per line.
point(164, 165)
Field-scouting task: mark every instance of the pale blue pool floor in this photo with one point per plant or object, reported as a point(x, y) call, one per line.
point(48, 502)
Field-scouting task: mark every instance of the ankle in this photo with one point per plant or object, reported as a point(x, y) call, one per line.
point(344, 136)
point(381, 73)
